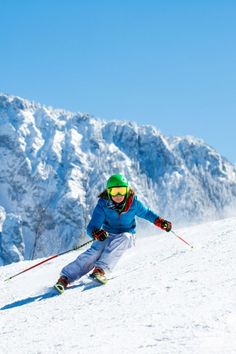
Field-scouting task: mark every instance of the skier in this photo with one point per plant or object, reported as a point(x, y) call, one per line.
point(112, 227)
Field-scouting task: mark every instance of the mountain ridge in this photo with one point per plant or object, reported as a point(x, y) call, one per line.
point(54, 163)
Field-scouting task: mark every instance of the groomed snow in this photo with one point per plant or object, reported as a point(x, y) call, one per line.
point(166, 298)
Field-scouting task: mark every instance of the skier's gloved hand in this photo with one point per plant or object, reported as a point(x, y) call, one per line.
point(100, 235)
point(163, 224)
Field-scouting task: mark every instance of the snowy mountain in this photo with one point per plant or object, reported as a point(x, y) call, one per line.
point(54, 163)
point(164, 298)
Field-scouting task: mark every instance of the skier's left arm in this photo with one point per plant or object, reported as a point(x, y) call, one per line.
point(145, 213)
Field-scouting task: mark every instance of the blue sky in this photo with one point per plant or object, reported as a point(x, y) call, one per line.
point(167, 63)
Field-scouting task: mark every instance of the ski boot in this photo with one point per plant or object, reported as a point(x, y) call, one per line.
point(99, 275)
point(61, 284)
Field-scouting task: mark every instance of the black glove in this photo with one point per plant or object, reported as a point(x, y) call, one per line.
point(163, 224)
point(100, 235)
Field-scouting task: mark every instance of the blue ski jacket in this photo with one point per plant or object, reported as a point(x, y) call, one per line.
point(109, 219)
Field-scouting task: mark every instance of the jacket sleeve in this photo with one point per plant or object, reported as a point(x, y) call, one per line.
point(143, 212)
point(97, 219)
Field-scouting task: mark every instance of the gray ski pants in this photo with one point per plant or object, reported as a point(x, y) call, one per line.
point(103, 254)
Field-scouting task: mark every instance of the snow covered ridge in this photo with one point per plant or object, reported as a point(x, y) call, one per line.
point(54, 163)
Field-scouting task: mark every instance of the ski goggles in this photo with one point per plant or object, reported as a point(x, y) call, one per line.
point(114, 191)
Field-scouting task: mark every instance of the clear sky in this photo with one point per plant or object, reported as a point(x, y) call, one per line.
point(170, 63)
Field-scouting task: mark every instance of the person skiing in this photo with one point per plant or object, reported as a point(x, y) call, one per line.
point(113, 228)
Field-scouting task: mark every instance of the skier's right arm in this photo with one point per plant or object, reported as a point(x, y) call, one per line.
point(97, 219)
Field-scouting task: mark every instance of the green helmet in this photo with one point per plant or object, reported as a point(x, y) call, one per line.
point(117, 180)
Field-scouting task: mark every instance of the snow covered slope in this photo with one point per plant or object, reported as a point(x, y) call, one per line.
point(166, 298)
point(54, 163)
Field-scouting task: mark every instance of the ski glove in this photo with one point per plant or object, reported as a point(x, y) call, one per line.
point(100, 235)
point(163, 224)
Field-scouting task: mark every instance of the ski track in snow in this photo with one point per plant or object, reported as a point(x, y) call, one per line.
point(164, 297)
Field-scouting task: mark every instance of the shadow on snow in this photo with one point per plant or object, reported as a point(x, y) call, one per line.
point(49, 294)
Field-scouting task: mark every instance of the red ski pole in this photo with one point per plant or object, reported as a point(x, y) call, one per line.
point(48, 259)
point(180, 238)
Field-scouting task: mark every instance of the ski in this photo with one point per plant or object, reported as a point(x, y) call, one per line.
point(99, 277)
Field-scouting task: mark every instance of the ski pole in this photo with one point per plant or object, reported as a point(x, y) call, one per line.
point(180, 238)
point(48, 259)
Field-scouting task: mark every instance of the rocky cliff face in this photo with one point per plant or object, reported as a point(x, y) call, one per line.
point(53, 164)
